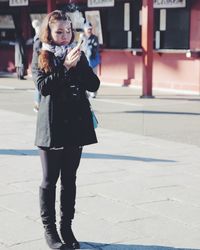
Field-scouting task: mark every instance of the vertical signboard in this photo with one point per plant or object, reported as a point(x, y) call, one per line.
point(127, 16)
point(94, 18)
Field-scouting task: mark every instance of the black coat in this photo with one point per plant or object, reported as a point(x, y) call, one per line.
point(64, 116)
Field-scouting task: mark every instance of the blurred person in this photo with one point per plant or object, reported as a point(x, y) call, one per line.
point(20, 59)
point(64, 123)
point(90, 47)
point(36, 50)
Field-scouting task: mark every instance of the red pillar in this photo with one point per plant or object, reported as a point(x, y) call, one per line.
point(25, 22)
point(147, 47)
point(51, 5)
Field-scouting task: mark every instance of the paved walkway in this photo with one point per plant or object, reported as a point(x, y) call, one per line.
point(134, 192)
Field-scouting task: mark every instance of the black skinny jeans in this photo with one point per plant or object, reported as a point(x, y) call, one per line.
point(63, 163)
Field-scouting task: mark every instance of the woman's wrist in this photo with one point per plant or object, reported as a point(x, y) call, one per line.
point(66, 66)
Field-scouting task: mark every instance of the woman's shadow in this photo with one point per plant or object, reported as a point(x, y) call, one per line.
point(102, 246)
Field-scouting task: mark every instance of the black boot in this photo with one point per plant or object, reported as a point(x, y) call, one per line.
point(67, 204)
point(69, 238)
point(48, 215)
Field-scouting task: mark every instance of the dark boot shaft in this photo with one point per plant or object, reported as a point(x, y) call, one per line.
point(48, 216)
point(47, 206)
point(67, 203)
point(67, 210)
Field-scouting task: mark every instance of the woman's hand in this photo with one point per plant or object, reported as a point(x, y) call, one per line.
point(72, 57)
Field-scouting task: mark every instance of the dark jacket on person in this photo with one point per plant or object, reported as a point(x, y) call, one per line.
point(91, 48)
point(20, 52)
point(64, 116)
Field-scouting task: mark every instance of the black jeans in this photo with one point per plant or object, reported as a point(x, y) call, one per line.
point(61, 162)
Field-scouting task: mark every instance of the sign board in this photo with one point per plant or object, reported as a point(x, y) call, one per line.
point(6, 22)
point(101, 3)
point(169, 3)
point(94, 18)
point(18, 3)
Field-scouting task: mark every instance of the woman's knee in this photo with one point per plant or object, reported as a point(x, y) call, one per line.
point(48, 184)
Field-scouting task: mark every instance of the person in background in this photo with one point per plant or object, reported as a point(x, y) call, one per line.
point(36, 49)
point(64, 123)
point(90, 47)
point(20, 59)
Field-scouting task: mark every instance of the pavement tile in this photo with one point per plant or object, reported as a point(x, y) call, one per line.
point(16, 229)
point(6, 189)
point(27, 186)
point(125, 192)
point(25, 204)
point(31, 245)
point(109, 210)
point(91, 178)
point(185, 195)
point(27, 168)
point(3, 248)
point(91, 229)
point(2, 209)
point(163, 229)
point(174, 210)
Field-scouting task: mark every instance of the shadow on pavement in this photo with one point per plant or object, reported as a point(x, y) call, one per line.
point(123, 157)
point(160, 112)
point(8, 74)
point(101, 246)
point(179, 98)
point(116, 96)
point(194, 98)
point(32, 152)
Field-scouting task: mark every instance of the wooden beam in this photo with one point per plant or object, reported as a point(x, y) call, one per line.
point(51, 5)
point(147, 47)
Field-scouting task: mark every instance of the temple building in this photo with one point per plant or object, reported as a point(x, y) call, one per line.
point(119, 25)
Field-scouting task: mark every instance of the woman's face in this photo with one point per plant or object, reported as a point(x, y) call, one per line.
point(61, 32)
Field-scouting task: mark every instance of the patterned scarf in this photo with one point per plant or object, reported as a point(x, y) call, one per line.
point(58, 51)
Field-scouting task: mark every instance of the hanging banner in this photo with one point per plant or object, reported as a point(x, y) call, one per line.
point(100, 3)
point(169, 3)
point(18, 3)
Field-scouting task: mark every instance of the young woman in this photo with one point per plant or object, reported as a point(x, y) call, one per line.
point(64, 123)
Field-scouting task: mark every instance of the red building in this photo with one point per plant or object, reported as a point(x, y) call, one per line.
point(176, 38)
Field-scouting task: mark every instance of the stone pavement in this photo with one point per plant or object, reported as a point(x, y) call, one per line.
point(134, 192)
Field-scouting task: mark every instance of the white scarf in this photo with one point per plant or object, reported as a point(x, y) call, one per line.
point(58, 51)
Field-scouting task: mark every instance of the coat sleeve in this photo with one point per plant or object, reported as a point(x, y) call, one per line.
point(87, 77)
point(50, 83)
point(34, 64)
point(54, 82)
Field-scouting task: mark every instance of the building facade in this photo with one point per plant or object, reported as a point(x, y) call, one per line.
point(176, 54)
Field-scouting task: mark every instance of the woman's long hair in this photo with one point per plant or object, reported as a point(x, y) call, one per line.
point(45, 60)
